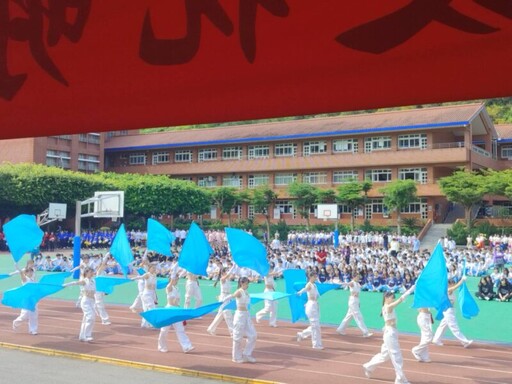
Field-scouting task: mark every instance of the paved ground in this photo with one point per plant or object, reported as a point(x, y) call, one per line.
point(280, 357)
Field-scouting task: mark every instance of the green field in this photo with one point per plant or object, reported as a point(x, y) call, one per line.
point(492, 324)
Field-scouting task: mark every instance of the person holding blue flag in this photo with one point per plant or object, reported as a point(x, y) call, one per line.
point(27, 276)
point(173, 300)
point(390, 349)
point(149, 293)
point(449, 319)
point(242, 324)
point(270, 307)
point(224, 277)
point(312, 312)
point(425, 321)
point(354, 310)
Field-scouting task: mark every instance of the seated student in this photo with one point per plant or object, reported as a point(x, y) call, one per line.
point(485, 289)
point(504, 290)
point(392, 283)
point(496, 276)
point(374, 282)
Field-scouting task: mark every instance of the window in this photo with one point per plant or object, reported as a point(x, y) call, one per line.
point(284, 206)
point(208, 154)
point(232, 153)
point(375, 206)
point(377, 143)
point(250, 212)
point(63, 137)
point(345, 145)
point(314, 147)
point(92, 138)
point(90, 163)
point(232, 181)
point(237, 210)
point(412, 141)
point(183, 156)
point(285, 178)
point(207, 181)
point(160, 157)
point(417, 174)
point(259, 152)
point(378, 175)
point(286, 149)
point(82, 137)
point(257, 180)
point(184, 178)
point(137, 159)
point(506, 152)
point(59, 159)
point(417, 207)
point(339, 177)
point(315, 177)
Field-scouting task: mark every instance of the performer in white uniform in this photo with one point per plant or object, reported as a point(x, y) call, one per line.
point(354, 310)
point(270, 307)
point(99, 302)
point(225, 291)
point(390, 349)
point(27, 277)
point(86, 303)
point(312, 312)
point(192, 291)
point(242, 324)
point(425, 321)
point(173, 300)
point(449, 319)
point(149, 292)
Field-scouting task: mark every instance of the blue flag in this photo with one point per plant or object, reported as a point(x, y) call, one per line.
point(162, 317)
point(247, 251)
point(467, 303)
point(322, 287)
point(336, 240)
point(432, 285)
point(28, 295)
point(22, 235)
point(161, 283)
point(4, 276)
point(55, 278)
point(196, 251)
point(121, 250)
point(106, 284)
point(159, 238)
point(292, 276)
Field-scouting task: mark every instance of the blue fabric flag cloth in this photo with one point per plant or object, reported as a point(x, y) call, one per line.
point(292, 276)
point(432, 285)
point(107, 284)
point(196, 251)
point(161, 283)
point(257, 297)
point(322, 287)
point(336, 240)
point(22, 235)
point(55, 278)
point(121, 250)
point(28, 295)
point(159, 238)
point(4, 276)
point(247, 251)
point(468, 306)
point(162, 317)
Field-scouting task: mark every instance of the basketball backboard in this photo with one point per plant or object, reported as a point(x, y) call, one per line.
point(327, 211)
point(57, 211)
point(109, 204)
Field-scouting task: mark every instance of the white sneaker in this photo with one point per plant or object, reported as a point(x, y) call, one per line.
point(189, 349)
point(249, 359)
point(318, 347)
point(273, 325)
point(89, 339)
point(33, 333)
point(438, 342)
point(209, 331)
point(367, 334)
point(108, 322)
point(467, 344)
point(164, 350)
point(299, 337)
point(238, 361)
point(340, 332)
point(367, 373)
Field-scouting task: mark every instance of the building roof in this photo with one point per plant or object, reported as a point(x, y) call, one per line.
point(402, 120)
point(504, 133)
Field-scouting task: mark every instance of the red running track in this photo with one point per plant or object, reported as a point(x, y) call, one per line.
point(280, 358)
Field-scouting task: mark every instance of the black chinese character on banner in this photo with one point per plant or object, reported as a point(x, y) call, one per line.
point(179, 51)
point(31, 29)
point(390, 31)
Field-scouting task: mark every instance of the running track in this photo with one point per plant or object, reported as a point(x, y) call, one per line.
point(280, 358)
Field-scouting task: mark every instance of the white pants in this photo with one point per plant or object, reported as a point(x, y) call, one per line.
point(148, 302)
point(449, 321)
point(226, 314)
point(270, 309)
point(31, 317)
point(390, 350)
point(87, 305)
point(99, 304)
point(192, 291)
point(137, 303)
point(425, 323)
point(353, 312)
point(242, 326)
point(313, 314)
point(180, 334)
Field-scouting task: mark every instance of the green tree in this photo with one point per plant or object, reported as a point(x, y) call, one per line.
point(326, 196)
point(263, 199)
point(225, 199)
point(398, 195)
point(353, 195)
point(465, 188)
point(305, 197)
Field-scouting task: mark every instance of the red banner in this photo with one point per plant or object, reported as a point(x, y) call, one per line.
point(69, 66)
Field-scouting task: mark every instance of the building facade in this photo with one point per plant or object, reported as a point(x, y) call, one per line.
point(419, 144)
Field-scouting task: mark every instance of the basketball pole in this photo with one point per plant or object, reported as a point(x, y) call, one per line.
point(77, 239)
